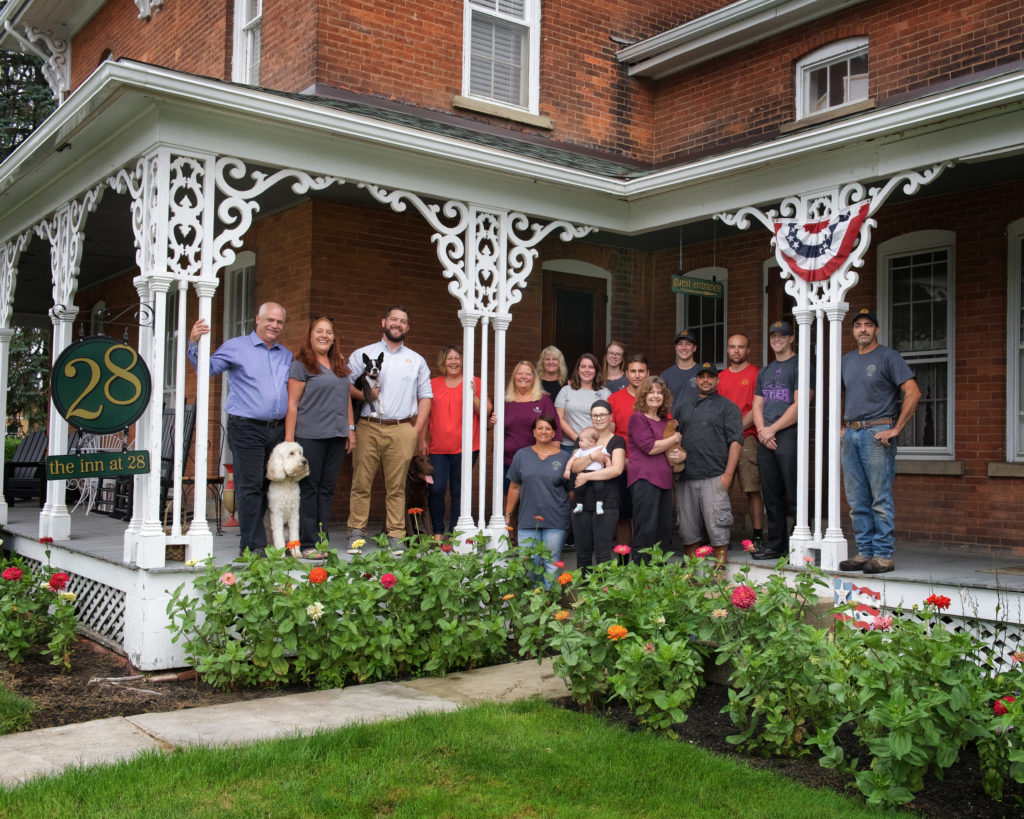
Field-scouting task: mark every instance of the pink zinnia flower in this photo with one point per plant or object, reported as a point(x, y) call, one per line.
point(228, 579)
point(1017, 656)
point(704, 551)
point(58, 581)
point(621, 549)
point(13, 573)
point(1000, 705)
point(809, 560)
point(743, 597)
point(719, 614)
point(388, 580)
point(881, 622)
point(648, 648)
point(748, 545)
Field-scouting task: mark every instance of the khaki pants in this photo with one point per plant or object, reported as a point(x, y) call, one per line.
point(392, 448)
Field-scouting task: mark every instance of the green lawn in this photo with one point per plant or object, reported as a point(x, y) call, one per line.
point(15, 711)
point(527, 759)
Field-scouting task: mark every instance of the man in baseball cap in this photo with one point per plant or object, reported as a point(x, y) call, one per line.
point(681, 376)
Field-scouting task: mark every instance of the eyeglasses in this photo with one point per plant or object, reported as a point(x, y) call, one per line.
point(597, 416)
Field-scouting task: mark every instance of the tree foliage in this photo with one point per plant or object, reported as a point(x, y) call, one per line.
point(28, 377)
point(25, 98)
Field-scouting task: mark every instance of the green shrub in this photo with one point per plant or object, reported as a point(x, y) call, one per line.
point(36, 609)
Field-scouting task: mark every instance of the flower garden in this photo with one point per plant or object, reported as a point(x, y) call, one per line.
point(907, 692)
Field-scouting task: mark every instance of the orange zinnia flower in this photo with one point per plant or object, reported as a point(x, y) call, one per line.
point(318, 575)
point(564, 578)
point(617, 632)
point(562, 614)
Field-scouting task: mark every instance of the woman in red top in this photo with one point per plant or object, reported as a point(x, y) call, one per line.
point(446, 437)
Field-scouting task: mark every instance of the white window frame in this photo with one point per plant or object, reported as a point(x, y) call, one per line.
point(530, 78)
point(245, 56)
point(923, 241)
point(1014, 342)
point(683, 321)
point(839, 51)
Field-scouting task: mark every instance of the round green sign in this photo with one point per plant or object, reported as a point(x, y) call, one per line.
point(100, 385)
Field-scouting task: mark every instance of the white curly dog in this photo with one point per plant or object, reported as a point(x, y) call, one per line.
point(286, 467)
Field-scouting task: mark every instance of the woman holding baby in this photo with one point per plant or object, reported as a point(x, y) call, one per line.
point(597, 462)
point(650, 473)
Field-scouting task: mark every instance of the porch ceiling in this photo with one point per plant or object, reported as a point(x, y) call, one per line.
point(126, 108)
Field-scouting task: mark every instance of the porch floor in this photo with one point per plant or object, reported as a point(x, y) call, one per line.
point(101, 537)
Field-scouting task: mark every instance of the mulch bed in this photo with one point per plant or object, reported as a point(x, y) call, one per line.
point(88, 692)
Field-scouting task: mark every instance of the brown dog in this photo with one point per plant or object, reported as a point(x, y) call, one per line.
point(670, 430)
point(417, 491)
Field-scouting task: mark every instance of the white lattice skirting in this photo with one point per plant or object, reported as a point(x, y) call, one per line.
point(98, 607)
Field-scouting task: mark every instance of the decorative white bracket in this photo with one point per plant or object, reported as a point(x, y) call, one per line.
point(802, 228)
point(487, 254)
point(55, 52)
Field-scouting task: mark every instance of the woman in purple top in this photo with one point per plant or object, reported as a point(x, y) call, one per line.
point(649, 474)
point(525, 400)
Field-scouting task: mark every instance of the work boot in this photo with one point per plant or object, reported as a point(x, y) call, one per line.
point(878, 565)
point(854, 564)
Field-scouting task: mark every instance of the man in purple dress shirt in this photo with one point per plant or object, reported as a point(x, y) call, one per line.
point(257, 368)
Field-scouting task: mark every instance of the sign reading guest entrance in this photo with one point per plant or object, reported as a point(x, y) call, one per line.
point(697, 287)
point(96, 465)
point(100, 385)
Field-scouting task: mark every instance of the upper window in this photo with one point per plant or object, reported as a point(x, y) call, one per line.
point(832, 76)
point(245, 63)
point(704, 315)
point(916, 275)
point(501, 51)
point(1015, 344)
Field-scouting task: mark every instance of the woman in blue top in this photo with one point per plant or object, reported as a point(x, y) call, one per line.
point(318, 418)
point(537, 486)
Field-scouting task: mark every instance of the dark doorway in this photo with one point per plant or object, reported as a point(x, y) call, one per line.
point(573, 316)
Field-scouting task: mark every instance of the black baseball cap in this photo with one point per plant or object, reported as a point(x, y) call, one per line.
point(707, 367)
point(868, 313)
point(781, 327)
point(686, 335)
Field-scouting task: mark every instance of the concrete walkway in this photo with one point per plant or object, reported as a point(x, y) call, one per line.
point(50, 750)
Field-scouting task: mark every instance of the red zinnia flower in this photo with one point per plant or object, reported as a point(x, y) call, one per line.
point(415, 510)
point(1000, 705)
point(317, 574)
point(46, 540)
point(704, 551)
point(446, 547)
point(940, 601)
point(538, 517)
point(621, 549)
point(559, 564)
point(58, 581)
point(388, 580)
point(12, 573)
point(743, 597)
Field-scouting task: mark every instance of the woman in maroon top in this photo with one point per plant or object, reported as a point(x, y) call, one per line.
point(525, 400)
point(649, 473)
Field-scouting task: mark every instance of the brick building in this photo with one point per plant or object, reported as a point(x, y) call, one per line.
point(276, 141)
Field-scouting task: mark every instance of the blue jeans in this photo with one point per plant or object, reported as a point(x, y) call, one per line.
point(446, 468)
point(868, 471)
point(554, 539)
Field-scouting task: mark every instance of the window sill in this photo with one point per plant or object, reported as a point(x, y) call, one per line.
point(1005, 469)
point(496, 109)
point(827, 116)
point(926, 467)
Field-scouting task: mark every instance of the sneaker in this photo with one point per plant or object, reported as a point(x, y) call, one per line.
point(354, 535)
point(854, 564)
point(878, 565)
point(394, 544)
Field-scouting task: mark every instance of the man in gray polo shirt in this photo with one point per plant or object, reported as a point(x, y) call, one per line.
point(712, 430)
point(874, 376)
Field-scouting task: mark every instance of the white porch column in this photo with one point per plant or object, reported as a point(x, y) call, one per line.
point(469, 321)
point(10, 252)
point(65, 231)
point(801, 540)
point(200, 538)
point(497, 522)
point(140, 483)
point(834, 547)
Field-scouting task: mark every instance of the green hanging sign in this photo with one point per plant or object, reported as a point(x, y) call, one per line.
point(100, 385)
point(698, 287)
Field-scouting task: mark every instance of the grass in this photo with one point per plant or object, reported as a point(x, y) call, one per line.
point(15, 711)
point(525, 759)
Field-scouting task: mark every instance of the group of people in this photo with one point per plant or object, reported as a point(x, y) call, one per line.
point(606, 451)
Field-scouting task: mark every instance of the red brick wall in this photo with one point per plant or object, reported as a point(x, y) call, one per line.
point(745, 96)
point(187, 35)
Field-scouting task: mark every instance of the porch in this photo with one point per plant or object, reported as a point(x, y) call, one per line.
point(125, 606)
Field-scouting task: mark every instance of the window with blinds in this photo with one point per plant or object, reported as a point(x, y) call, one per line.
point(501, 52)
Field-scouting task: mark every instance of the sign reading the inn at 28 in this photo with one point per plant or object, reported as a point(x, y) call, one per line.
point(99, 385)
point(697, 287)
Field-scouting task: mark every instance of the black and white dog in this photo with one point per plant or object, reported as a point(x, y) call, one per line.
point(368, 381)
